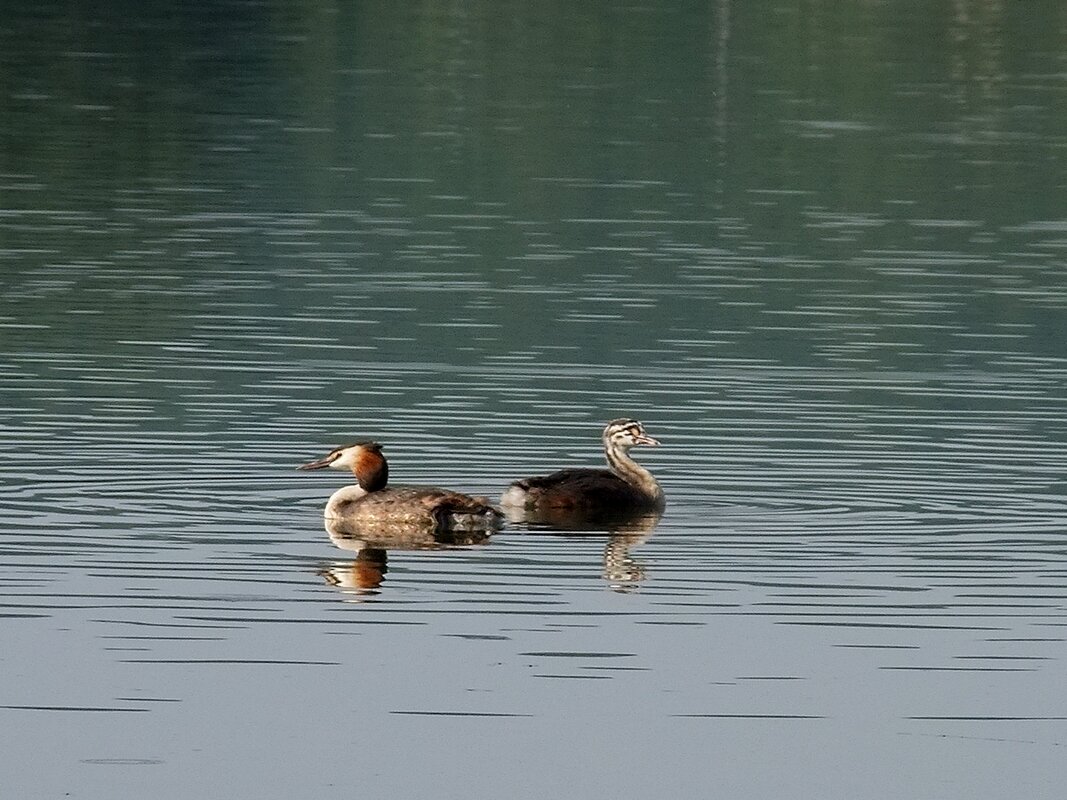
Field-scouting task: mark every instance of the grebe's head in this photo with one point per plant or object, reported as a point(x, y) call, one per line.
point(363, 459)
point(626, 433)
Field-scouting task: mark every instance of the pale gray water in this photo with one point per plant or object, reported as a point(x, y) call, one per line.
point(818, 251)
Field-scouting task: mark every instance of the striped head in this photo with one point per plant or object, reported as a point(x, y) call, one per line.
point(622, 434)
point(364, 459)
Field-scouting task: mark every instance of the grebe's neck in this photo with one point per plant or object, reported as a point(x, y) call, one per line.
point(630, 471)
point(344, 496)
point(371, 470)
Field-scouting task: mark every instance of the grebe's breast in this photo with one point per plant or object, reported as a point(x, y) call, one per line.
point(579, 488)
point(411, 508)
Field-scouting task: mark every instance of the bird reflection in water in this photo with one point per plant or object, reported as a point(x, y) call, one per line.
point(364, 576)
point(625, 531)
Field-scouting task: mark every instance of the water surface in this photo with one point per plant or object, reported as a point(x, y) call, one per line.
point(818, 251)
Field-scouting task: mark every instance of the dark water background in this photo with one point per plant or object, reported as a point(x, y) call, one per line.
point(818, 248)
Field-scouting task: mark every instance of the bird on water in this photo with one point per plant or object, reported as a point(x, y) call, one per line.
point(625, 488)
point(371, 502)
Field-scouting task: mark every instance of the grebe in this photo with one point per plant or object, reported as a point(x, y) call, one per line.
point(371, 504)
point(625, 488)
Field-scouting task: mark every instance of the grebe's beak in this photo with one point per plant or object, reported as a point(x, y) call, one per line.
point(645, 439)
point(321, 463)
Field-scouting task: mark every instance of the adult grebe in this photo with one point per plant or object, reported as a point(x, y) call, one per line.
point(370, 503)
point(626, 487)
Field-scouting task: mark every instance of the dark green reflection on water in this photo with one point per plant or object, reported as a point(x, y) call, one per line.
point(955, 105)
point(853, 185)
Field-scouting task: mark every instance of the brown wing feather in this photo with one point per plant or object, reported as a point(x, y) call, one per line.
point(582, 488)
point(427, 504)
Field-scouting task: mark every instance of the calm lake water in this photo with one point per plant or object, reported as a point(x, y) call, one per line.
point(817, 248)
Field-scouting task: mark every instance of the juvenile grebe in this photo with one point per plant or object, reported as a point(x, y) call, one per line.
point(625, 488)
point(370, 503)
